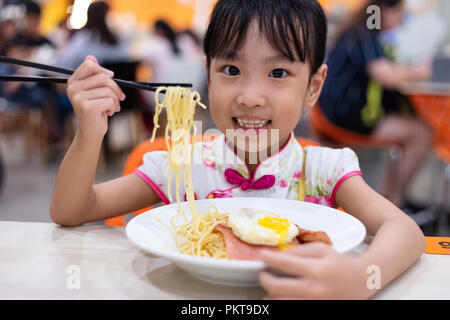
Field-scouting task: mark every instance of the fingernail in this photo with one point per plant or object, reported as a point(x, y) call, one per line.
point(123, 96)
point(110, 73)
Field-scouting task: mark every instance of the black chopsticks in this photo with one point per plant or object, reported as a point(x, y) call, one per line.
point(150, 86)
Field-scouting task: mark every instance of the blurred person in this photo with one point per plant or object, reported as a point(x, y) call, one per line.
point(60, 35)
point(96, 38)
point(190, 43)
point(9, 27)
point(162, 50)
point(191, 46)
point(423, 32)
point(174, 59)
point(360, 93)
point(19, 95)
point(31, 31)
point(16, 48)
point(53, 102)
point(8, 30)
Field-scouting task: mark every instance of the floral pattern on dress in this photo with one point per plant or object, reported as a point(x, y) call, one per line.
point(324, 168)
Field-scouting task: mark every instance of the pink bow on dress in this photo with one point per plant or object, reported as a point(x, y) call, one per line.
point(234, 177)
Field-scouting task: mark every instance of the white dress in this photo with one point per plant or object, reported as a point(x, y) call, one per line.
point(217, 172)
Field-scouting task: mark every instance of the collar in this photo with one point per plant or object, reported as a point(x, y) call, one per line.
point(225, 157)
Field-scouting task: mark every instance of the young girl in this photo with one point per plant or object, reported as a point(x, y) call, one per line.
point(264, 65)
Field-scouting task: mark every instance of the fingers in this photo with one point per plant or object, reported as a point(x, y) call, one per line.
point(92, 58)
point(313, 250)
point(88, 68)
point(90, 76)
point(98, 81)
point(103, 93)
point(278, 287)
point(289, 263)
point(104, 105)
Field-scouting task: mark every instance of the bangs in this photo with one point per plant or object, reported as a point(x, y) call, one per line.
point(296, 29)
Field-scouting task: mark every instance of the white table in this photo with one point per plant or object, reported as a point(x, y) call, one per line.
point(45, 261)
point(426, 87)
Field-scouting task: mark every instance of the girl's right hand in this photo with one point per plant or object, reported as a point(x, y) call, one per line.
point(94, 97)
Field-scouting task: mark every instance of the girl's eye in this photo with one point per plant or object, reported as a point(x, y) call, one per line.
point(231, 71)
point(278, 73)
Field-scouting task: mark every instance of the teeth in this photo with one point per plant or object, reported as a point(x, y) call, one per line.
point(252, 124)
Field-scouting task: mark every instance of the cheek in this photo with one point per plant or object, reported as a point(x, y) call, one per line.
point(287, 111)
point(218, 105)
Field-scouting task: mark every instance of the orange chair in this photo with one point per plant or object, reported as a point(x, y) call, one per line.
point(332, 135)
point(135, 159)
point(435, 110)
point(329, 134)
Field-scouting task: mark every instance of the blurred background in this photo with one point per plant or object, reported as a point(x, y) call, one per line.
point(161, 41)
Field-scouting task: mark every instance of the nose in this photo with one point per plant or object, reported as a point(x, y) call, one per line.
point(252, 94)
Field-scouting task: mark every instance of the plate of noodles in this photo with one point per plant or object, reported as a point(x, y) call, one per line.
point(222, 241)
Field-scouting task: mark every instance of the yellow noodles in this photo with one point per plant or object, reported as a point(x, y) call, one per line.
point(197, 237)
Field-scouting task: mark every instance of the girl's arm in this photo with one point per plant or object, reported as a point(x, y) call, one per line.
point(319, 272)
point(75, 200)
point(398, 240)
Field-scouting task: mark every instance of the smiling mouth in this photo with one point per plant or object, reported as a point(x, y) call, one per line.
point(251, 124)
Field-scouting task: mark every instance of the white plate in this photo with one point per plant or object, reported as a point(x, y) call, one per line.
point(345, 231)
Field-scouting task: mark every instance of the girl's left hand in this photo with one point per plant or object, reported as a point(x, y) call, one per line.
point(316, 272)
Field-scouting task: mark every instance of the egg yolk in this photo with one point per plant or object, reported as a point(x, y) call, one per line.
point(280, 226)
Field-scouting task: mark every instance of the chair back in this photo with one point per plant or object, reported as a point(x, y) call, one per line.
point(435, 109)
point(332, 135)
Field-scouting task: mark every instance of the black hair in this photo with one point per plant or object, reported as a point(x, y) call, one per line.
point(193, 35)
point(168, 33)
point(296, 28)
point(32, 8)
point(97, 12)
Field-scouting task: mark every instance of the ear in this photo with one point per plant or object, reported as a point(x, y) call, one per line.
point(315, 86)
point(205, 63)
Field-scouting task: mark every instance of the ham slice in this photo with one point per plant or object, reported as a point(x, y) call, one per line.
point(240, 250)
point(306, 236)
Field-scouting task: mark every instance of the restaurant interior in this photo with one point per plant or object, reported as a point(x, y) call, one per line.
point(31, 149)
point(37, 128)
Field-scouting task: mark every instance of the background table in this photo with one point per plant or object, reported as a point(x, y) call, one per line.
point(38, 261)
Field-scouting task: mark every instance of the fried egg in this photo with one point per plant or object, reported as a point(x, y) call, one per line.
point(262, 227)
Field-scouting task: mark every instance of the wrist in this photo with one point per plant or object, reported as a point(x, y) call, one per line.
point(88, 137)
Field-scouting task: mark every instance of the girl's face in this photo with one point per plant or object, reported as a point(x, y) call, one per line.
point(261, 89)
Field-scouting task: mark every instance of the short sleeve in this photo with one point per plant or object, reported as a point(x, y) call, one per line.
point(155, 173)
point(327, 169)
